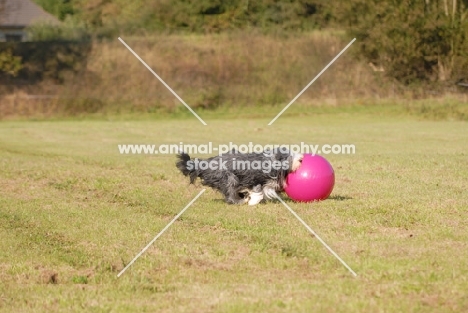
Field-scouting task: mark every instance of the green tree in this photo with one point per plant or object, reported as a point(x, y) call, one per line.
point(412, 40)
point(59, 8)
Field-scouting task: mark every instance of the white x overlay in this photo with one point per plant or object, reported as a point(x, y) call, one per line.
point(316, 236)
point(162, 81)
point(201, 192)
point(312, 81)
point(160, 233)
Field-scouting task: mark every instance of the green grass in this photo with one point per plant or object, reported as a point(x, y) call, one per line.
point(73, 213)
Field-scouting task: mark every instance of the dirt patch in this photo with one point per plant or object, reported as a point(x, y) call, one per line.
point(49, 277)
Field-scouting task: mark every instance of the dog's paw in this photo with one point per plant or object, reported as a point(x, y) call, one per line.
point(255, 198)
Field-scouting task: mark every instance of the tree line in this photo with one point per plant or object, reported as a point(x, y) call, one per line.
point(412, 41)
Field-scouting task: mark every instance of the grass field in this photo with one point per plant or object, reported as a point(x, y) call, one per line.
point(74, 212)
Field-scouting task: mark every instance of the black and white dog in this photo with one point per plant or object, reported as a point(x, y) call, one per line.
point(242, 178)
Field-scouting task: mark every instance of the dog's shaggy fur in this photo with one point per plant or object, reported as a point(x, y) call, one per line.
point(243, 185)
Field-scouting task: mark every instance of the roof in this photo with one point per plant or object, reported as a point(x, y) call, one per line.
point(22, 13)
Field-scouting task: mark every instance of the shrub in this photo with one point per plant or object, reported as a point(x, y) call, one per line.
point(413, 40)
point(69, 30)
point(59, 8)
point(9, 64)
point(36, 61)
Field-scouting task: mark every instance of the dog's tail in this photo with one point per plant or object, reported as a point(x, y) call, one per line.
point(183, 166)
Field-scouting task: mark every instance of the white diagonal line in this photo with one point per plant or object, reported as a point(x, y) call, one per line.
point(316, 236)
point(160, 233)
point(163, 82)
point(313, 80)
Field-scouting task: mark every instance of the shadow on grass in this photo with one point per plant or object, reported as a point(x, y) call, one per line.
point(288, 200)
point(339, 198)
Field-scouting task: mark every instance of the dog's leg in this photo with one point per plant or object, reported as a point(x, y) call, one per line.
point(269, 192)
point(231, 192)
point(234, 198)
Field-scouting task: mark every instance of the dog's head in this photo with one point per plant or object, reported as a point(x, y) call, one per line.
point(296, 161)
point(291, 161)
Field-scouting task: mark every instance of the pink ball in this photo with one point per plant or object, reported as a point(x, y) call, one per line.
point(313, 181)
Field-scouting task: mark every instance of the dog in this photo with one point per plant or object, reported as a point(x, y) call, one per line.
point(242, 177)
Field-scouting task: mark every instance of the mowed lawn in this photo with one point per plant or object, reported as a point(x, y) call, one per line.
point(74, 212)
